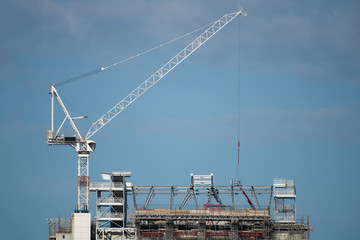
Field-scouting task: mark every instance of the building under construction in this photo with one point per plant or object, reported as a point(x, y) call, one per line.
point(201, 210)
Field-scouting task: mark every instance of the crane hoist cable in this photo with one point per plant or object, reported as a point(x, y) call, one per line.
point(129, 58)
point(238, 100)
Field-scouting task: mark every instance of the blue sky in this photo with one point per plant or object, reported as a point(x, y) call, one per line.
point(299, 102)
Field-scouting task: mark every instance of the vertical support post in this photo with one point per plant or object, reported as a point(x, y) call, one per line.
point(169, 230)
point(210, 195)
point(194, 196)
point(295, 208)
point(307, 223)
point(201, 235)
point(232, 195)
point(271, 193)
point(134, 197)
point(97, 223)
point(83, 182)
point(172, 197)
point(52, 111)
point(234, 229)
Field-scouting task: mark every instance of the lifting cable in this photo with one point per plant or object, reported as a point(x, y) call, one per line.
point(238, 104)
point(129, 58)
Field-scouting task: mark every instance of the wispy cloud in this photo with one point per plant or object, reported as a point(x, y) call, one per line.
point(279, 36)
point(307, 42)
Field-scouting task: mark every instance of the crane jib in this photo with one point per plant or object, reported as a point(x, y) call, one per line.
point(162, 72)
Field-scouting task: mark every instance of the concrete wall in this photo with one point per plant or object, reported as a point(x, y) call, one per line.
point(63, 236)
point(81, 226)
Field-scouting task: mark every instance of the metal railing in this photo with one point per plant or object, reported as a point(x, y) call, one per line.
point(201, 207)
point(283, 181)
point(106, 185)
point(110, 200)
point(284, 208)
point(302, 220)
point(285, 218)
point(119, 216)
point(56, 225)
point(284, 191)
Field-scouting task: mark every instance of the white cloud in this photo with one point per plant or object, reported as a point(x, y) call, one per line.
point(317, 42)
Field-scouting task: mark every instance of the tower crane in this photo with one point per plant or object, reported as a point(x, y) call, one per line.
point(83, 145)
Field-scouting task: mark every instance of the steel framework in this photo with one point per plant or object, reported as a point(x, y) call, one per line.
point(223, 219)
point(189, 192)
point(111, 205)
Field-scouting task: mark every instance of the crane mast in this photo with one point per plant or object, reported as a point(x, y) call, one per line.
point(83, 145)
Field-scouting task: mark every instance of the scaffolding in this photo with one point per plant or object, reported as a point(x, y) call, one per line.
point(203, 186)
point(210, 219)
point(59, 227)
point(284, 210)
point(201, 210)
point(111, 206)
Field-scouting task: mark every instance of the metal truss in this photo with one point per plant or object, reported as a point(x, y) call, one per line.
point(162, 72)
point(193, 191)
point(149, 197)
point(190, 194)
point(253, 194)
point(83, 182)
point(53, 93)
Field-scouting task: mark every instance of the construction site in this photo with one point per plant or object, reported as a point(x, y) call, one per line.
point(196, 211)
point(199, 209)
